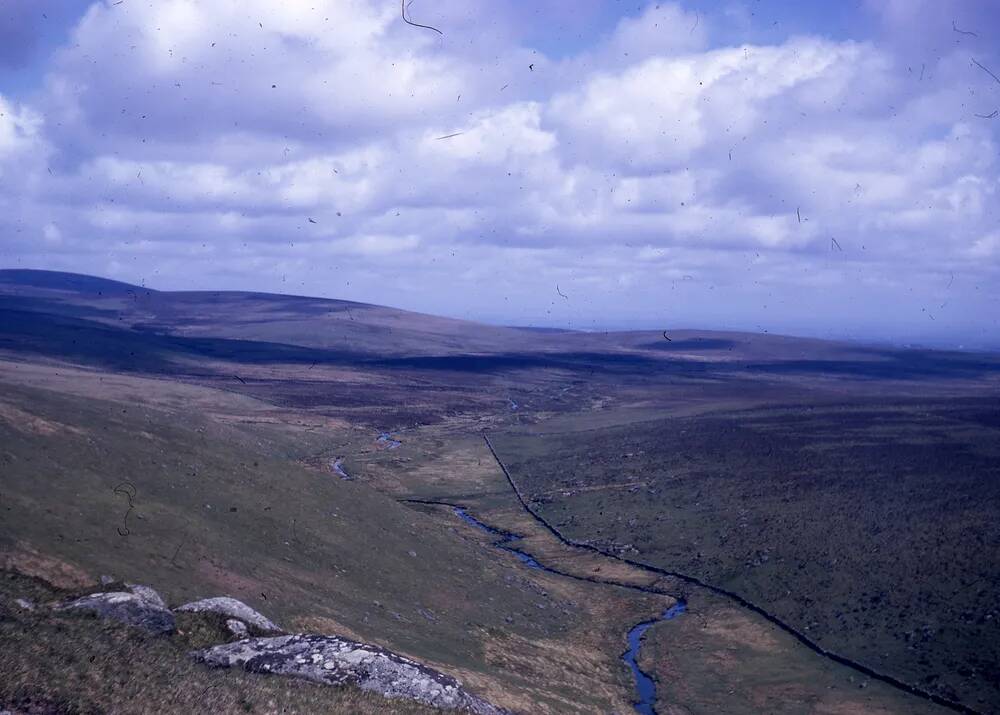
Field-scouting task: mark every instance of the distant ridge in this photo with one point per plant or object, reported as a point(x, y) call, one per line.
point(535, 329)
point(73, 306)
point(59, 280)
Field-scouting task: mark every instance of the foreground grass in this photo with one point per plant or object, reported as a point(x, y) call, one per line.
point(70, 663)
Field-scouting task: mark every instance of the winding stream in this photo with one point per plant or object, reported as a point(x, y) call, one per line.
point(505, 538)
point(645, 687)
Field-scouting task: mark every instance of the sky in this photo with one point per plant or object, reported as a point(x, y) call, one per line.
point(822, 169)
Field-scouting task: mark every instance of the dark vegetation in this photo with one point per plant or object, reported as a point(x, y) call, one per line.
point(869, 527)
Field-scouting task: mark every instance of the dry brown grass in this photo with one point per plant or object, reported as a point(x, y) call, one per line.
point(27, 423)
point(27, 560)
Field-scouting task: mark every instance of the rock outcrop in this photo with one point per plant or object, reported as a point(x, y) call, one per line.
point(147, 594)
point(321, 659)
point(336, 661)
point(126, 607)
point(236, 627)
point(232, 608)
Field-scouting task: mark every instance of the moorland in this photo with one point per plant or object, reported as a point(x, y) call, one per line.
point(844, 490)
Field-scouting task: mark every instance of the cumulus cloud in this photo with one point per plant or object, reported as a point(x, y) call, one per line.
point(666, 174)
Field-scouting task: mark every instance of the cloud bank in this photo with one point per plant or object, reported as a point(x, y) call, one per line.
point(660, 173)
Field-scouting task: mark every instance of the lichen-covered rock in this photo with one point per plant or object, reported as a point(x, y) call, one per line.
point(232, 608)
point(127, 608)
point(336, 661)
point(146, 594)
point(236, 627)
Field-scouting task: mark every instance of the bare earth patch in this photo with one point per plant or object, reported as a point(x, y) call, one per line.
point(28, 561)
point(27, 423)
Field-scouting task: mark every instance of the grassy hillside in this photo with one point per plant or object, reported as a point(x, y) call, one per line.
point(292, 320)
point(225, 506)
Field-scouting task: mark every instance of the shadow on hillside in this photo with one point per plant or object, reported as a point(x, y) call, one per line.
point(55, 307)
point(690, 344)
point(86, 341)
point(890, 365)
